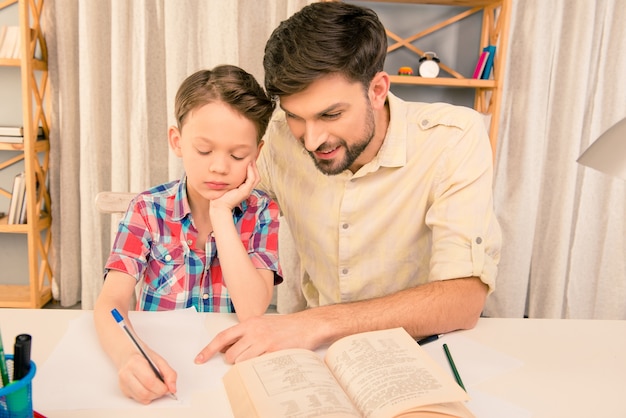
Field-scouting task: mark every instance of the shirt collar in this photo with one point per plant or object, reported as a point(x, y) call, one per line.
point(181, 204)
point(393, 152)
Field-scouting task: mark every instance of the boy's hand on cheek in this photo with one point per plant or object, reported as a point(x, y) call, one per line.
point(234, 197)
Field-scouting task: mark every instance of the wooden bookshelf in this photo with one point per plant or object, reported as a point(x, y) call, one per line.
point(34, 152)
point(496, 16)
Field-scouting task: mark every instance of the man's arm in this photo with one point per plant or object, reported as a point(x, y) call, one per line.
point(433, 308)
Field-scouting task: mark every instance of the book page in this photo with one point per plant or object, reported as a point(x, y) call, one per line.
point(290, 383)
point(386, 373)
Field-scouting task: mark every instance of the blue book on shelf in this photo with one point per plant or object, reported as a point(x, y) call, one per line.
point(489, 64)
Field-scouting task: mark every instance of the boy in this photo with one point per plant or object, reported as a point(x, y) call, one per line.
point(208, 240)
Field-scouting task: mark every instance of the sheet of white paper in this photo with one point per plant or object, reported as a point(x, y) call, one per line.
point(475, 362)
point(487, 406)
point(478, 363)
point(79, 375)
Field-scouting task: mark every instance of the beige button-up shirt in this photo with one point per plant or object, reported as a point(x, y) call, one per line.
point(420, 211)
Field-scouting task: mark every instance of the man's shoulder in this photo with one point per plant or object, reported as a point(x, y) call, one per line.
point(430, 115)
point(277, 128)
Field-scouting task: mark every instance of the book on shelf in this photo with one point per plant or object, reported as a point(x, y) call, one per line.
point(10, 42)
point(17, 198)
point(489, 63)
point(23, 210)
point(372, 374)
point(16, 131)
point(3, 31)
point(480, 64)
point(10, 139)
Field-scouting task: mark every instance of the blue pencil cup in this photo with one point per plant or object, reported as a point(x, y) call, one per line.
point(16, 400)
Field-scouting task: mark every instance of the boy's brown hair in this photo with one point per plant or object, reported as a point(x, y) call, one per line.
point(228, 84)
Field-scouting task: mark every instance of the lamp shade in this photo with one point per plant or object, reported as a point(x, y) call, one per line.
point(608, 153)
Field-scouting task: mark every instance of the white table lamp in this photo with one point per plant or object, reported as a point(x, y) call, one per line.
point(608, 153)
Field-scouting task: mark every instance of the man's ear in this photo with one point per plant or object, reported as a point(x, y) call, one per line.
point(174, 138)
point(379, 88)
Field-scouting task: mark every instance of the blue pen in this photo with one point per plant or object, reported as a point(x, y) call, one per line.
point(120, 321)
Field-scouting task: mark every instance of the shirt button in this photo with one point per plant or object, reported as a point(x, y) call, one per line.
point(168, 258)
point(425, 122)
point(189, 242)
point(205, 296)
point(479, 240)
point(344, 226)
point(344, 271)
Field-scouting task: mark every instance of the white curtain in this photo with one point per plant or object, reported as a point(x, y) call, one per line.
point(115, 66)
point(564, 227)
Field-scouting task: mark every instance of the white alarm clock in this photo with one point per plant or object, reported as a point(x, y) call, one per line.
point(429, 65)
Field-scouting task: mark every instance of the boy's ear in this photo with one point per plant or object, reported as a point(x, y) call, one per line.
point(258, 150)
point(174, 138)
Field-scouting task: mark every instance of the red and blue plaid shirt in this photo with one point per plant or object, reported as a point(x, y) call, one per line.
point(156, 243)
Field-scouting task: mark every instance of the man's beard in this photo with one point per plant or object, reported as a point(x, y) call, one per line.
point(333, 167)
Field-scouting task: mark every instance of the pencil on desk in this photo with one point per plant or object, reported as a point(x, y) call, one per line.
point(457, 376)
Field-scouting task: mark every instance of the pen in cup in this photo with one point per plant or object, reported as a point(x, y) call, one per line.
point(21, 356)
point(4, 373)
point(120, 320)
point(457, 376)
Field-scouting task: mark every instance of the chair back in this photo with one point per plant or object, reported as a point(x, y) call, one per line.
point(116, 204)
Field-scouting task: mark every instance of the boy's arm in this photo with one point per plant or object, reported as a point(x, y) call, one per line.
point(249, 288)
point(136, 378)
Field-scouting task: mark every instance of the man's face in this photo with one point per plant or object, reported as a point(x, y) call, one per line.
point(334, 120)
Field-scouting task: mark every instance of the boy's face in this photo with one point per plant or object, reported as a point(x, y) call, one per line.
point(217, 144)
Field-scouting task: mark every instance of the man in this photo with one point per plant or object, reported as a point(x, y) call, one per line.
point(389, 203)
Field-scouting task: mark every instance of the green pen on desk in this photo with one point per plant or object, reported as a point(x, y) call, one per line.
point(3, 365)
point(457, 376)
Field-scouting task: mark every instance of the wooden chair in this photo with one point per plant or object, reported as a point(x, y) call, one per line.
point(115, 204)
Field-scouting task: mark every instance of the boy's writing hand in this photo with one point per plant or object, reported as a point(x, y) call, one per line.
point(138, 381)
point(234, 197)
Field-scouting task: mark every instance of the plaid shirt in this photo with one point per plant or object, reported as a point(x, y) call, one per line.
point(156, 243)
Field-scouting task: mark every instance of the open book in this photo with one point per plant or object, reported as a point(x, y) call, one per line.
point(378, 374)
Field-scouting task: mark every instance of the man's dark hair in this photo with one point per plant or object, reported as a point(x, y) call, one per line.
point(324, 38)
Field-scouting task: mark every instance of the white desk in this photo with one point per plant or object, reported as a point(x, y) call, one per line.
point(571, 368)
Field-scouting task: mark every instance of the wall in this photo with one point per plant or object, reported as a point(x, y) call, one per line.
point(13, 257)
point(457, 46)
